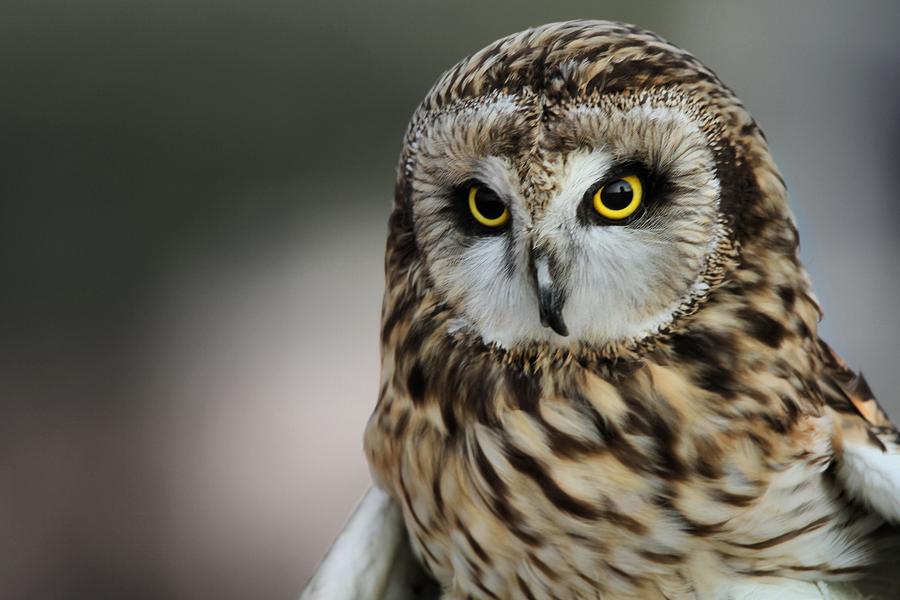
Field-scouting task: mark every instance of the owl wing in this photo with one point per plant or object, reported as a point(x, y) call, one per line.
point(866, 442)
point(371, 558)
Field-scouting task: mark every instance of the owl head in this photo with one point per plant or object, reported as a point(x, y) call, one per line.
point(583, 184)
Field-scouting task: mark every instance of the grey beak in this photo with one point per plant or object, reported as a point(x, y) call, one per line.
point(550, 300)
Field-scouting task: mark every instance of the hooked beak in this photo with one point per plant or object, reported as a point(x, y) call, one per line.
point(550, 300)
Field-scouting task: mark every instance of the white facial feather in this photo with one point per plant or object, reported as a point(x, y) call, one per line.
point(622, 282)
point(873, 477)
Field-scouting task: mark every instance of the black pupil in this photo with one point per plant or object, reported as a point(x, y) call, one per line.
point(617, 195)
point(489, 208)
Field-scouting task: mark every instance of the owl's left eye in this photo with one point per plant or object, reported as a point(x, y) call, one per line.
point(619, 199)
point(486, 207)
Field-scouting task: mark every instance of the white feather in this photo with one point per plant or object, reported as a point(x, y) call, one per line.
point(873, 477)
point(786, 589)
point(370, 559)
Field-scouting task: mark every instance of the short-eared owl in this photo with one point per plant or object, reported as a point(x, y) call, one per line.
point(601, 373)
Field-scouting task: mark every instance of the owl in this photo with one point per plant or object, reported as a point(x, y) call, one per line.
point(601, 374)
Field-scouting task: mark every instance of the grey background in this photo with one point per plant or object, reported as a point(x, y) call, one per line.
point(193, 199)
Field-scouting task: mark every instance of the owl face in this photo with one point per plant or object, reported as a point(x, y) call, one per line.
point(591, 220)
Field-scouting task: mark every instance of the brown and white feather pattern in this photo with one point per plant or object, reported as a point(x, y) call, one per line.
point(727, 453)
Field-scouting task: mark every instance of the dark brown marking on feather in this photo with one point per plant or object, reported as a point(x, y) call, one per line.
point(662, 558)
point(567, 446)
point(525, 536)
point(525, 389)
point(478, 386)
point(712, 352)
point(623, 520)
point(717, 380)
point(498, 503)
point(485, 590)
point(689, 525)
point(628, 455)
point(543, 567)
point(760, 442)
point(591, 542)
point(667, 463)
point(408, 500)
point(671, 466)
point(613, 439)
point(453, 384)
point(777, 423)
point(632, 579)
point(431, 559)
point(384, 422)
point(803, 329)
point(401, 249)
point(626, 74)
point(636, 424)
point(703, 529)
point(733, 499)
point(475, 546)
point(847, 570)
point(759, 573)
point(400, 310)
point(607, 431)
point(861, 388)
point(497, 485)
point(448, 416)
point(785, 537)
point(707, 467)
point(749, 128)
point(875, 441)
point(789, 241)
point(563, 444)
point(803, 568)
point(529, 466)
point(646, 418)
point(589, 580)
point(416, 384)
point(762, 326)
point(739, 194)
point(401, 423)
point(437, 494)
point(418, 332)
point(701, 345)
point(818, 568)
point(474, 568)
point(790, 407)
point(788, 296)
point(708, 461)
point(524, 588)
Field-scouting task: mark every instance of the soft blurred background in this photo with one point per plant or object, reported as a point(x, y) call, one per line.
point(193, 204)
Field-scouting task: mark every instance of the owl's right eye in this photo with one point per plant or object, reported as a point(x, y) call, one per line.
point(486, 208)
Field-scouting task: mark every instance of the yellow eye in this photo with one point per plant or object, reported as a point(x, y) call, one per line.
point(487, 208)
point(619, 199)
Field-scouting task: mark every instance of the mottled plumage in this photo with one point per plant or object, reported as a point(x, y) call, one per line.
point(691, 436)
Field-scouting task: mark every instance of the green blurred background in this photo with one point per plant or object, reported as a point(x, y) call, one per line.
point(193, 203)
